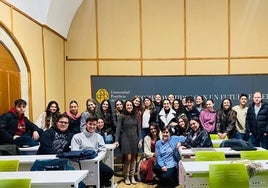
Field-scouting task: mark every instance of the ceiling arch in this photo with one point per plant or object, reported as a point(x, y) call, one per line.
point(56, 14)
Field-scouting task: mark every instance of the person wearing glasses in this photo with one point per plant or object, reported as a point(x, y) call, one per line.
point(57, 138)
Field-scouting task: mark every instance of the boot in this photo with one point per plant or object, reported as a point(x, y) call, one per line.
point(126, 173)
point(132, 172)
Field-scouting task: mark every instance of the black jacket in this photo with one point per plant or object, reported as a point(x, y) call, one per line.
point(202, 139)
point(257, 125)
point(9, 125)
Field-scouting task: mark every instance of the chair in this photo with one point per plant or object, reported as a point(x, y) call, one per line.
point(228, 175)
point(254, 155)
point(9, 165)
point(18, 183)
point(209, 156)
point(216, 137)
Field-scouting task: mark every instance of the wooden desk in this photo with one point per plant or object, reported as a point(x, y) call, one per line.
point(191, 167)
point(53, 179)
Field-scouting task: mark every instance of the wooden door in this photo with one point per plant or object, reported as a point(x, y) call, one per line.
point(10, 88)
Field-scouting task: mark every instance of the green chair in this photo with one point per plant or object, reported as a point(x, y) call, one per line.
point(228, 175)
point(254, 155)
point(9, 165)
point(215, 137)
point(209, 156)
point(16, 183)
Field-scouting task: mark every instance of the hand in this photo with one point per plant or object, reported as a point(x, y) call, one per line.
point(35, 135)
point(116, 144)
point(140, 144)
point(164, 168)
point(16, 136)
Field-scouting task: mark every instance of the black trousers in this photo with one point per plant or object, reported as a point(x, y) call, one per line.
point(106, 173)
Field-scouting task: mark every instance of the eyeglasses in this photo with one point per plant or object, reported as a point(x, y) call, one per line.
point(63, 122)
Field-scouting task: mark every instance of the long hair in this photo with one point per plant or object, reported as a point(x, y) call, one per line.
point(50, 115)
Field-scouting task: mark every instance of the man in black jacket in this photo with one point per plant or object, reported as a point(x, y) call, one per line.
point(17, 129)
point(257, 122)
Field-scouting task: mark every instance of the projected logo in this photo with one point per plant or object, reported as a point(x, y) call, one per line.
point(102, 94)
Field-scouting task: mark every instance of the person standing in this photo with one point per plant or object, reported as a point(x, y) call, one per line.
point(74, 117)
point(128, 128)
point(158, 105)
point(241, 111)
point(257, 122)
point(226, 118)
point(107, 115)
point(167, 115)
point(190, 110)
point(48, 118)
point(91, 110)
point(207, 117)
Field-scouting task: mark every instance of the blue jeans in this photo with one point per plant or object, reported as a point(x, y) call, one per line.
point(108, 139)
point(242, 136)
point(259, 141)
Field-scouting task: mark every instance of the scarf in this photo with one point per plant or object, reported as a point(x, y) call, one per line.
point(21, 123)
point(73, 116)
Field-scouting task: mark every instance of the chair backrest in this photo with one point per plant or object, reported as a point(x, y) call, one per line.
point(254, 155)
point(215, 137)
point(209, 156)
point(228, 175)
point(9, 165)
point(18, 183)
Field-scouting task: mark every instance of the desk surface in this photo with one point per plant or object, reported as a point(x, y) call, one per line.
point(70, 177)
point(25, 159)
point(227, 150)
point(203, 166)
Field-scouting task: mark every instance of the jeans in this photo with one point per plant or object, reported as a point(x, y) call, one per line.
point(108, 139)
point(259, 141)
point(242, 136)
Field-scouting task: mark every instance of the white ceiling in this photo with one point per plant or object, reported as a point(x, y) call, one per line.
point(56, 14)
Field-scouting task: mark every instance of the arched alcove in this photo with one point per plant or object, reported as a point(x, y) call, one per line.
point(9, 43)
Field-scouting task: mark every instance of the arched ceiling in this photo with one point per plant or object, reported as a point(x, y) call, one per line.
point(56, 14)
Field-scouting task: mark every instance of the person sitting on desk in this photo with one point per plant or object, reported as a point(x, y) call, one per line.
point(89, 139)
point(57, 138)
point(17, 129)
point(197, 137)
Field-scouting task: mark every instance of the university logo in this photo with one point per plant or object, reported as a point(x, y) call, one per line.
point(102, 94)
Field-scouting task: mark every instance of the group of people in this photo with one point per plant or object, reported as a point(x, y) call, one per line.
point(157, 127)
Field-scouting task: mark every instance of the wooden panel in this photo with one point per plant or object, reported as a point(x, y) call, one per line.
point(14, 87)
point(249, 28)
point(119, 29)
point(6, 60)
point(10, 80)
point(207, 28)
point(162, 28)
point(4, 97)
